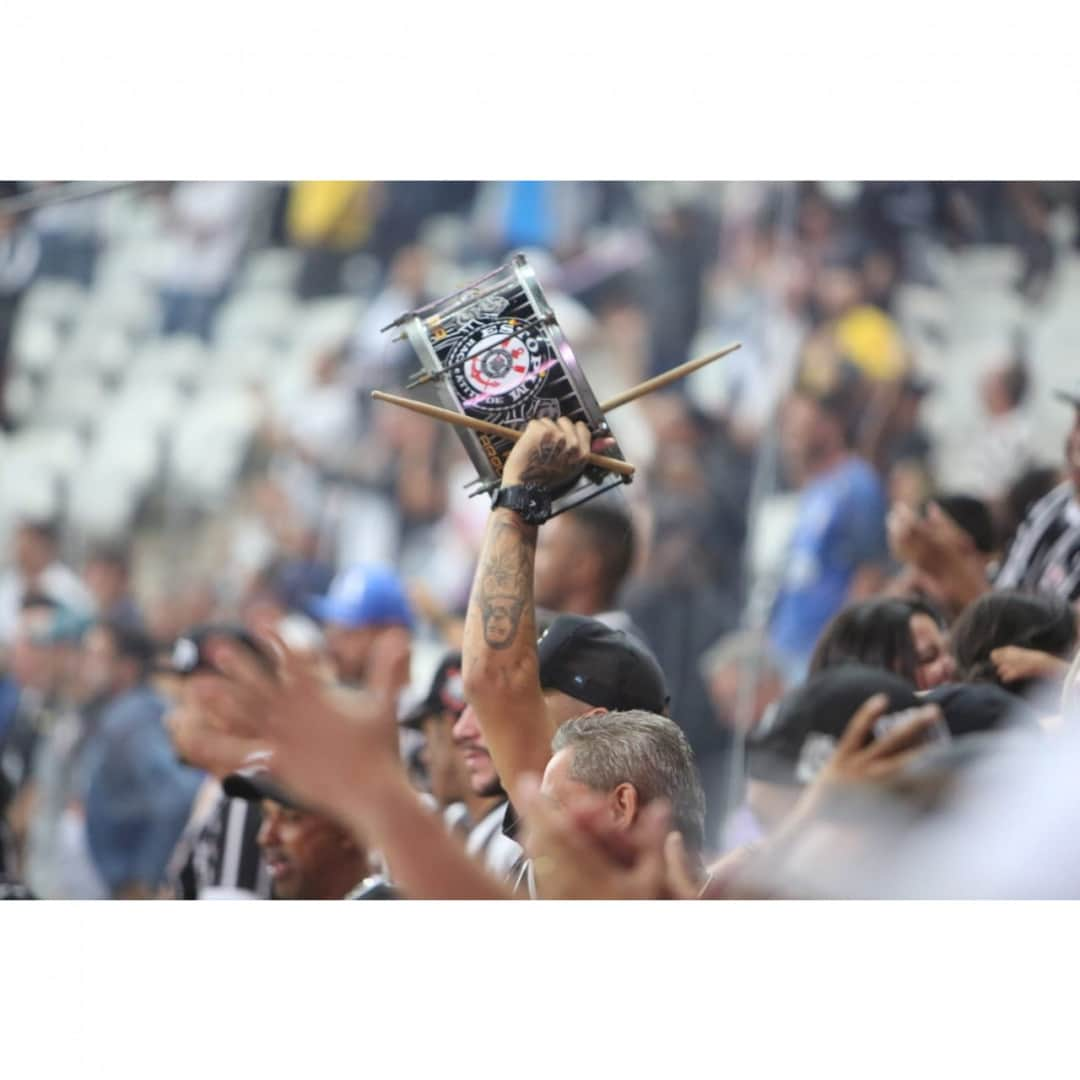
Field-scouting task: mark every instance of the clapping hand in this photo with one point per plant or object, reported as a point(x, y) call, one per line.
point(322, 744)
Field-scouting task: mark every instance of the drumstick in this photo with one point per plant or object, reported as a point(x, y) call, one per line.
point(660, 381)
point(623, 468)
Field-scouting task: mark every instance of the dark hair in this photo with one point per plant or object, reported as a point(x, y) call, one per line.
point(131, 643)
point(114, 554)
point(1016, 380)
point(1041, 621)
point(842, 402)
point(974, 517)
point(1034, 484)
point(37, 599)
point(47, 529)
point(611, 535)
point(876, 633)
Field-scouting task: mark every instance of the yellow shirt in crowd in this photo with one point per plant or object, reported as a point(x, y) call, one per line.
point(871, 340)
point(330, 213)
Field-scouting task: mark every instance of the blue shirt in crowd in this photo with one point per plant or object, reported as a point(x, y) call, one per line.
point(139, 796)
point(840, 527)
point(9, 702)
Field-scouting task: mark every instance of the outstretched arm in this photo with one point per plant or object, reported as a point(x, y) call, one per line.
point(331, 753)
point(501, 668)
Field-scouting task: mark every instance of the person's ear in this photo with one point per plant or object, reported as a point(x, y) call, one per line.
point(625, 805)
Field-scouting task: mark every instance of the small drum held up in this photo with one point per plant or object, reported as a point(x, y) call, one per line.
point(496, 353)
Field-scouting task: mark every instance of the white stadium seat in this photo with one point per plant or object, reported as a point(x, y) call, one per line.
point(76, 398)
point(262, 317)
point(210, 444)
point(101, 501)
point(36, 342)
point(275, 269)
point(182, 360)
point(59, 301)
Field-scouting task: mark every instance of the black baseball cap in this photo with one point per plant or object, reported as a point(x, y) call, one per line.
point(809, 720)
point(190, 652)
point(255, 784)
point(978, 708)
point(605, 668)
point(446, 694)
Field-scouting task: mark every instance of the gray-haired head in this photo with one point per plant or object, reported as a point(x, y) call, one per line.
point(643, 749)
point(745, 650)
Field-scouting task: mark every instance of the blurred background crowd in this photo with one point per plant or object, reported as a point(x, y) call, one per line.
point(188, 437)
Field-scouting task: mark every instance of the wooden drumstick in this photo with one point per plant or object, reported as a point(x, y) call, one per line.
point(660, 381)
point(623, 468)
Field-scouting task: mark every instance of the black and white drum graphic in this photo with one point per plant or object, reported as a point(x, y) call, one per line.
point(495, 352)
point(498, 369)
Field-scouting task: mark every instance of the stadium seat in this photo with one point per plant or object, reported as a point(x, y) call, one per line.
point(59, 301)
point(101, 502)
point(262, 317)
point(77, 399)
point(36, 342)
point(275, 269)
point(182, 360)
point(242, 362)
point(132, 307)
point(326, 323)
point(210, 444)
point(21, 397)
point(127, 449)
point(28, 485)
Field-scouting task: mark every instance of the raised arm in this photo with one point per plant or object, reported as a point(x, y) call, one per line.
point(501, 668)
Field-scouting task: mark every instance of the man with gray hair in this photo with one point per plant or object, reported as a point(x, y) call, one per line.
point(633, 758)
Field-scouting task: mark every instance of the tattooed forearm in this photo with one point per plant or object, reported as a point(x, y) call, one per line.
point(503, 589)
point(552, 463)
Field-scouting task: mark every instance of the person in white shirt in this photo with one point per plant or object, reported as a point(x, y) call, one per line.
point(207, 231)
point(37, 569)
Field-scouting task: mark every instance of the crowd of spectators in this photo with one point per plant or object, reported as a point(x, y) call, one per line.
point(346, 678)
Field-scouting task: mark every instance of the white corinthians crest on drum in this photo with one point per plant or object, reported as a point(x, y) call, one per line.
point(498, 368)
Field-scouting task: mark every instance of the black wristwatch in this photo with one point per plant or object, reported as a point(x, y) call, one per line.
point(530, 502)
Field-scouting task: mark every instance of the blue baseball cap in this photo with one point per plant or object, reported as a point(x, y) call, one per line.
point(364, 595)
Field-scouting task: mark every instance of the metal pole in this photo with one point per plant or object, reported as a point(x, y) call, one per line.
point(763, 484)
point(40, 197)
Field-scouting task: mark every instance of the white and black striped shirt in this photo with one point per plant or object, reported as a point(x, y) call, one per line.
point(1046, 552)
point(219, 850)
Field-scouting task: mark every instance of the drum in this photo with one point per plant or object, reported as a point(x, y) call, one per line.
point(495, 352)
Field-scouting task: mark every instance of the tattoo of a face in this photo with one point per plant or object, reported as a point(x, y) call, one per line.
point(552, 463)
point(506, 583)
